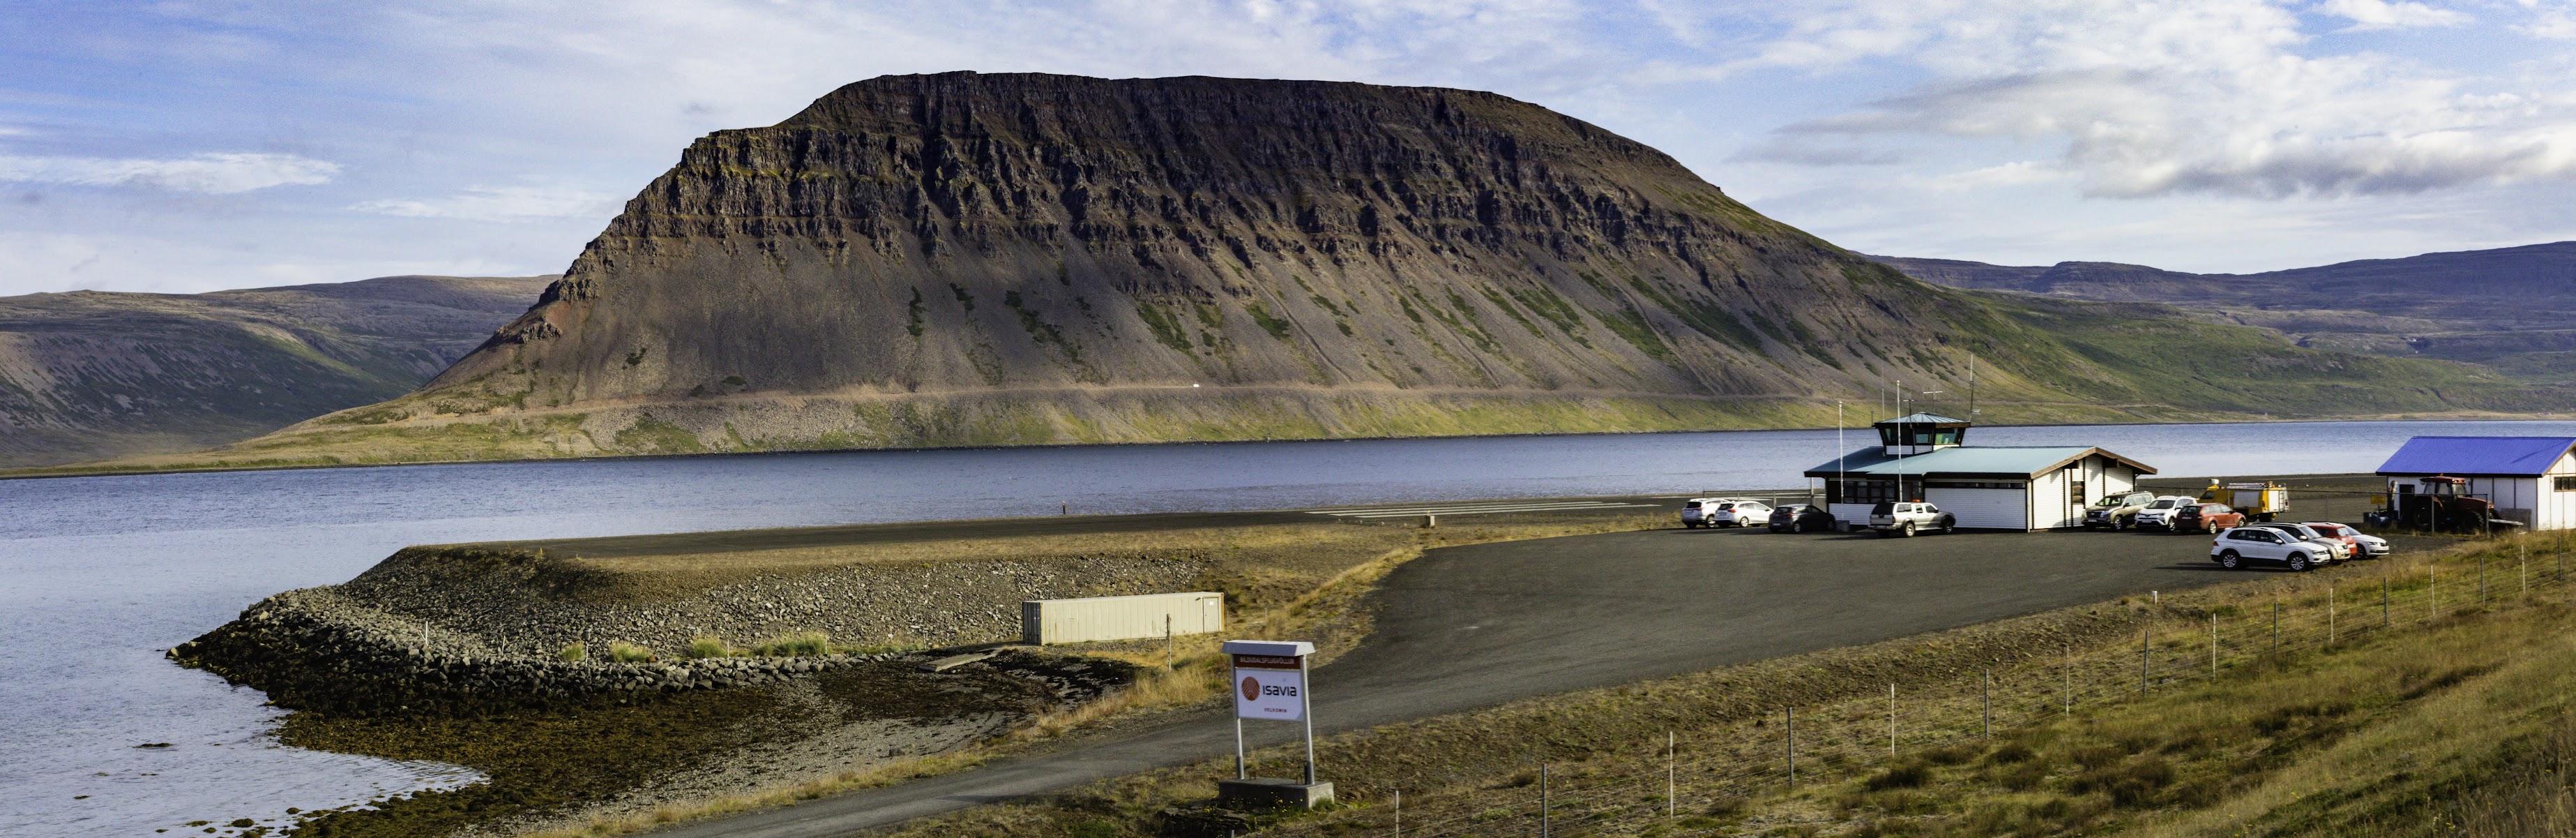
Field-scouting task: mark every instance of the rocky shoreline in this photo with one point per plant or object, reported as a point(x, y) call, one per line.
point(454, 629)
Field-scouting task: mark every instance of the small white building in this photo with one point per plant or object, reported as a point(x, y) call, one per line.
point(2531, 479)
point(1924, 457)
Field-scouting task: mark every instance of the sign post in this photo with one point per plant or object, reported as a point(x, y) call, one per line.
point(1270, 682)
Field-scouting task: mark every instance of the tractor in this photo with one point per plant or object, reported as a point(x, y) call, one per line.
point(2443, 506)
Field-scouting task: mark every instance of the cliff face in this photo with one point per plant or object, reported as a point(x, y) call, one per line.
point(995, 259)
point(961, 234)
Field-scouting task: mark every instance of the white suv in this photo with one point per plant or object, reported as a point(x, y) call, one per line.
point(2161, 512)
point(1695, 511)
point(2240, 545)
point(1906, 519)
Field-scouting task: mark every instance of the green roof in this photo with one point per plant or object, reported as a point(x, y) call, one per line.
point(1921, 418)
point(2028, 461)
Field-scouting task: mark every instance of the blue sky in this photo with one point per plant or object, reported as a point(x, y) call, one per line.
point(191, 146)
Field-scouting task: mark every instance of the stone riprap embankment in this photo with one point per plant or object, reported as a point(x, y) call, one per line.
point(528, 602)
point(433, 628)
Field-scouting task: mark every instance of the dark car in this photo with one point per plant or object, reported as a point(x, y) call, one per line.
point(1801, 517)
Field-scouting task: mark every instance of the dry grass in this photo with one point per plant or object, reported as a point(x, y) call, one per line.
point(2477, 689)
point(895, 772)
point(1302, 581)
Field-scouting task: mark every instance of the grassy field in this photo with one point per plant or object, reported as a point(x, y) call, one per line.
point(2441, 708)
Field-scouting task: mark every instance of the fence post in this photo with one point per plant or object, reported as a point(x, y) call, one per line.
point(1891, 720)
point(2523, 548)
point(1399, 813)
point(1542, 800)
point(2070, 679)
point(1791, 714)
point(2383, 602)
point(1672, 776)
point(2276, 627)
point(2213, 646)
point(2482, 576)
point(1986, 699)
point(2432, 596)
point(2144, 659)
point(2330, 613)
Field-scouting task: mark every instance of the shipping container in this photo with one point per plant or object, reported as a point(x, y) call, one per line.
point(1051, 621)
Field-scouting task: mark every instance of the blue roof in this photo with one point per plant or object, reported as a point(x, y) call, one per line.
point(2478, 455)
point(1966, 459)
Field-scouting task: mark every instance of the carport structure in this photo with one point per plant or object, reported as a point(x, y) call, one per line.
point(2530, 479)
point(1920, 458)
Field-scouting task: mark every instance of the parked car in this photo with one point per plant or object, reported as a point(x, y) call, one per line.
point(1694, 509)
point(2117, 511)
point(1801, 517)
point(2336, 550)
point(2159, 513)
point(1737, 513)
point(1906, 519)
point(2364, 546)
point(2239, 546)
point(2206, 518)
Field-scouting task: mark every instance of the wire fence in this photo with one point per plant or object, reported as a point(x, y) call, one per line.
point(1678, 776)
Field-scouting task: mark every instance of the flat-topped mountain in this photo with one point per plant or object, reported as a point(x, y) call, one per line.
point(90, 374)
point(1001, 259)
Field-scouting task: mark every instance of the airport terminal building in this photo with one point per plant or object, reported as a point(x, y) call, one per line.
point(1925, 457)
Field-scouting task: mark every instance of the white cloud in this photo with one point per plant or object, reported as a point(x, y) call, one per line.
point(2551, 19)
point(501, 203)
point(2197, 96)
point(2369, 15)
point(214, 173)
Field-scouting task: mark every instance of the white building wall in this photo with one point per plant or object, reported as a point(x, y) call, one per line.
point(2047, 498)
point(2557, 509)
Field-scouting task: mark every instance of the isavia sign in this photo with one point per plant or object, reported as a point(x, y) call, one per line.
point(1269, 687)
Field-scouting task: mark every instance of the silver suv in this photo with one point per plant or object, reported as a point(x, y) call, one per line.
point(1906, 519)
point(2160, 514)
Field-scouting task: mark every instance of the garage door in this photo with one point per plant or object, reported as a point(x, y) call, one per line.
point(1999, 509)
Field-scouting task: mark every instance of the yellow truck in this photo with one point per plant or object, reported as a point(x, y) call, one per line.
point(2259, 501)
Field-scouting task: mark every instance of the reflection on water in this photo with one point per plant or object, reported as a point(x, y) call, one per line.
point(102, 573)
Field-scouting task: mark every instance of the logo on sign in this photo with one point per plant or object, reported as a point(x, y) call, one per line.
point(1251, 689)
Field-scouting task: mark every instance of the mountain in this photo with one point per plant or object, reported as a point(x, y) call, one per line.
point(89, 375)
point(2506, 308)
point(965, 259)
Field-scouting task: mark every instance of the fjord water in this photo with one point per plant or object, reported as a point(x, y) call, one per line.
point(104, 572)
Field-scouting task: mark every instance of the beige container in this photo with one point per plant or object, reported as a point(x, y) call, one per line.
point(1051, 621)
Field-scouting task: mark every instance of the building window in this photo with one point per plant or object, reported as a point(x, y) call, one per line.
point(1971, 484)
point(1866, 491)
point(2564, 484)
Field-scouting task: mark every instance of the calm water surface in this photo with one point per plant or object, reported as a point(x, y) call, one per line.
point(102, 573)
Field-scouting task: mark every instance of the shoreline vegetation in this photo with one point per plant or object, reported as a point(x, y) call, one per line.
point(130, 468)
point(741, 679)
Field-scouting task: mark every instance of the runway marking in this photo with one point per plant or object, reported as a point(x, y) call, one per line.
point(1477, 508)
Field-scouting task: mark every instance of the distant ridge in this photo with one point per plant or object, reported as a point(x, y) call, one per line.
point(2513, 308)
point(89, 374)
